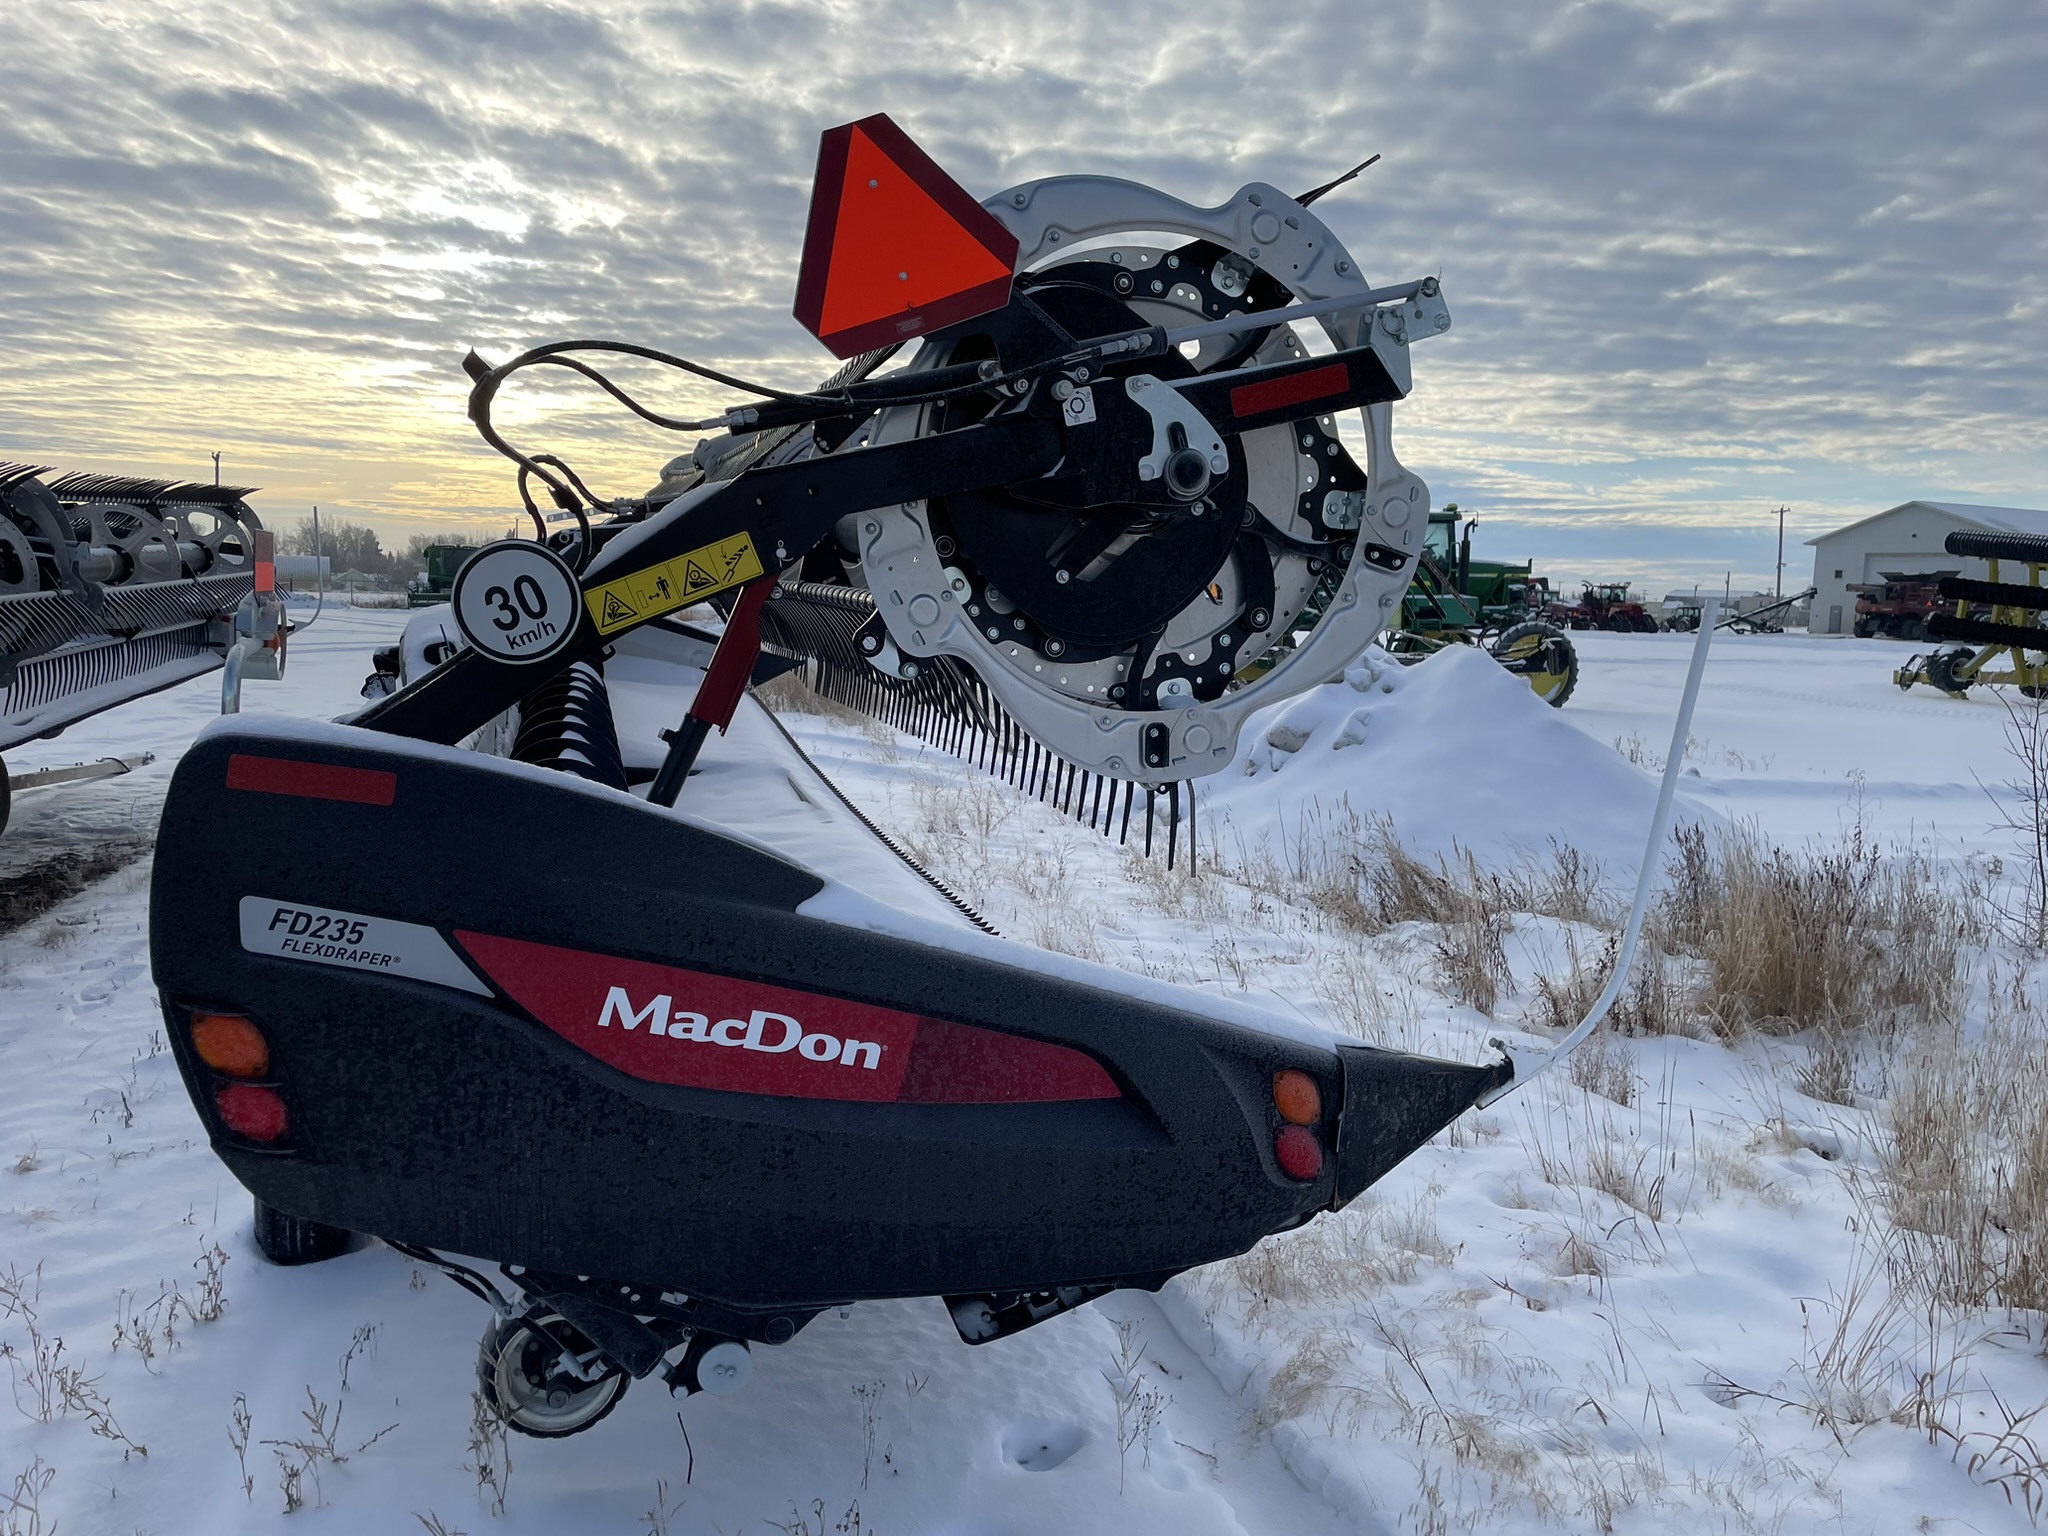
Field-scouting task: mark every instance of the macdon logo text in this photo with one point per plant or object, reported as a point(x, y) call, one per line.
point(774, 1033)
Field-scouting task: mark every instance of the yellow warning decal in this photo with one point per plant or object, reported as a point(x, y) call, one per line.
point(677, 583)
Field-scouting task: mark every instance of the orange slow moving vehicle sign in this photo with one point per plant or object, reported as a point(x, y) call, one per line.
point(895, 247)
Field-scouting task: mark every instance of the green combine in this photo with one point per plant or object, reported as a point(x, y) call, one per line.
point(1457, 600)
point(435, 583)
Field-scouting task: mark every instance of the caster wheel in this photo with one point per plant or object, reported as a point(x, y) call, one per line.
point(522, 1375)
point(293, 1240)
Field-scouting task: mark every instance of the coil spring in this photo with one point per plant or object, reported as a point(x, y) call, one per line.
point(566, 723)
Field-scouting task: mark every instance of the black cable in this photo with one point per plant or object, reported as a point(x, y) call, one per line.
point(585, 546)
point(540, 524)
point(803, 406)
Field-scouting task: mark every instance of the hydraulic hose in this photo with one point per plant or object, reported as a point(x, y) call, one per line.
point(1529, 1067)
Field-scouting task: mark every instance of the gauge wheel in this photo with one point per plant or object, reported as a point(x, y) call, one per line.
point(519, 1371)
point(1543, 657)
point(1941, 672)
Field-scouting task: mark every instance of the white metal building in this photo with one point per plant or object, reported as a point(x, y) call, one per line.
point(1907, 540)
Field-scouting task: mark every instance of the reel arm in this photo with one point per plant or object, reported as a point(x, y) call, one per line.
point(790, 508)
point(778, 511)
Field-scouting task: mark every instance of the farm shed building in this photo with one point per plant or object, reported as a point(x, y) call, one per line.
point(1907, 541)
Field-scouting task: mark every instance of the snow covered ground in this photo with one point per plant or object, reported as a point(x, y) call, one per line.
point(1603, 1304)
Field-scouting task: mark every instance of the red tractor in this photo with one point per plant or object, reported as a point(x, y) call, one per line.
point(1605, 605)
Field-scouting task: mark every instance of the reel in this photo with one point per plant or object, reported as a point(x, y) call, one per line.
point(1127, 634)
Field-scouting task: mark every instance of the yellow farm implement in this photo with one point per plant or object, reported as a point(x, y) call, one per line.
point(2012, 630)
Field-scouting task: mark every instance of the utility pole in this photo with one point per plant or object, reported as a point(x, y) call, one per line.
point(216, 466)
point(1779, 589)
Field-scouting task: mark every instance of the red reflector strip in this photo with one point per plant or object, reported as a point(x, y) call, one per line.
point(959, 1064)
point(696, 1030)
point(1292, 389)
point(311, 781)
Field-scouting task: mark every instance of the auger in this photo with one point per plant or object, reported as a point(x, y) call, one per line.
point(112, 587)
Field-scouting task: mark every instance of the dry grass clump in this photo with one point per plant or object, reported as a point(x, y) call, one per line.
point(792, 693)
point(1355, 870)
point(1374, 1245)
point(1964, 1169)
point(1605, 1066)
point(1827, 940)
point(1649, 1005)
point(1749, 936)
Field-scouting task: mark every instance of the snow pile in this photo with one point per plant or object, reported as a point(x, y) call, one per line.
point(1453, 751)
point(1650, 1293)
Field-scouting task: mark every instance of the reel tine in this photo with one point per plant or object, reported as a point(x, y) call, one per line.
point(948, 705)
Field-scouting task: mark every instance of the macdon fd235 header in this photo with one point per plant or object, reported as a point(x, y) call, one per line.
point(661, 1067)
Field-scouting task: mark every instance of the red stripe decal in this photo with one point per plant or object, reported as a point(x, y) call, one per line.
point(663, 1024)
point(1293, 389)
point(311, 781)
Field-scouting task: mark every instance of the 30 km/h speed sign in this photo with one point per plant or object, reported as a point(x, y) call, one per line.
point(516, 601)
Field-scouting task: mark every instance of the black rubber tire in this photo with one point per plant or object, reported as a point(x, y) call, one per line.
point(1518, 635)
point(1620, 623)
point(1941, 672)
point(1913, 631)
point(1647, 624)
point(6, 797)
point(292, 1240)
point(497, 1339)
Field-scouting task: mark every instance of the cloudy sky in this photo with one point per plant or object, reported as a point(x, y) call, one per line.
point(1704, 258)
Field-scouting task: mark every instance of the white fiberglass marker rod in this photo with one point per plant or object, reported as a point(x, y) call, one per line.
point(1532, 1066)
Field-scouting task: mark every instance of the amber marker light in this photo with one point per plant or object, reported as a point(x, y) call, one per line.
point(1297, 1097)
point(230, 1044)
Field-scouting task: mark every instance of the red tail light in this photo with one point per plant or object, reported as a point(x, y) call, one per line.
point(254, 1113)
point(1298, 1153)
